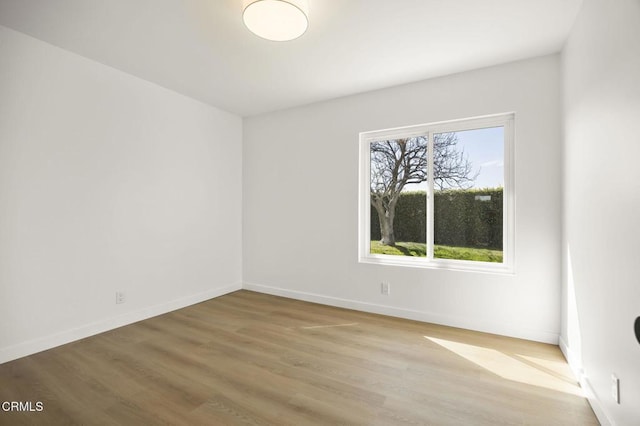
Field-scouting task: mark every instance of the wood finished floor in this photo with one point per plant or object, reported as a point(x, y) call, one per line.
point(250, 358)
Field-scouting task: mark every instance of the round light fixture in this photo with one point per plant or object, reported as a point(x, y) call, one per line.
point(276, 20)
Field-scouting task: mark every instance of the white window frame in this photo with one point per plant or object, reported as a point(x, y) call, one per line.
point(508, 232)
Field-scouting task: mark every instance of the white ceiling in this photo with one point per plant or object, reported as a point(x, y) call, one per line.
point(201, 48)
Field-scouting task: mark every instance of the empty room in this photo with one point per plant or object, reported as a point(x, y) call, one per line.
point(323, 212)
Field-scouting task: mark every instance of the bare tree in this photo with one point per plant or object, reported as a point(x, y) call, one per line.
point(451, 167)
point(398, 162)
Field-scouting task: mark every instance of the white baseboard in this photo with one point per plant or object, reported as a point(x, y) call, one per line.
point(572, 359)
point(466, 323)
point(596, 406)
point(41, 344)
point(576, 366)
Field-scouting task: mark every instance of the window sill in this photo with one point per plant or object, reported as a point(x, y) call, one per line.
point(442, 264)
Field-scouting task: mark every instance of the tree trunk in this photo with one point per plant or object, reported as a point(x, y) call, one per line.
point(386, 231)
point(385, 217)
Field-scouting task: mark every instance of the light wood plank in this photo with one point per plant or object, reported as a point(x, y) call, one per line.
point(250, 358)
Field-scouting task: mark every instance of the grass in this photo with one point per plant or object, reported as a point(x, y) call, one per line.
point(400, 249)
point(440, 252)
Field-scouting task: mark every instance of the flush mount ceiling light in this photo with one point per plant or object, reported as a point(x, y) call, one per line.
point(277, 20)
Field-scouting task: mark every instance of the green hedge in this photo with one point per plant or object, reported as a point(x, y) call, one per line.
point(461, 219)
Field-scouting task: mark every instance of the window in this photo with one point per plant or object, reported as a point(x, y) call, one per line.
point(439, 195)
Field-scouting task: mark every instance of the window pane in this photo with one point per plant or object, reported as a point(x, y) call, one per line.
point(468, 194)
point(398, 196)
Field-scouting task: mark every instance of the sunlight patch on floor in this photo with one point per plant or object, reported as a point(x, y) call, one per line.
point(530, 370)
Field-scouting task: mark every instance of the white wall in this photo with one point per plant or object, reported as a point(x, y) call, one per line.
point(300, 187)
point(107, 182)
point(601, 80)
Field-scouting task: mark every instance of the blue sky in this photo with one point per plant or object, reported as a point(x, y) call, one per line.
point(485, 150)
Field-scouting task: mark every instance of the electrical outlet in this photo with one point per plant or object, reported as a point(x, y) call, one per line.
point(615, 388)
point(120, 297)
point(385, 288)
